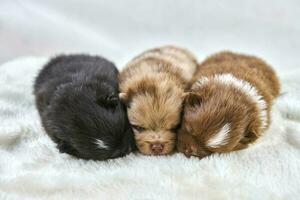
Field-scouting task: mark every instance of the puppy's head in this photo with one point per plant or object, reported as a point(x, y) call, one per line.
point(154, 107)
point(217, 119)
point(90, 122)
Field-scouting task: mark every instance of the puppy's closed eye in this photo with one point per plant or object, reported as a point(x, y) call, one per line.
point(249, 137)
point(138, 128)
point(175, 128)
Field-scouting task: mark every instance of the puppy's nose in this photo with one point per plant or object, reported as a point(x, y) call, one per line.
point(157, 148)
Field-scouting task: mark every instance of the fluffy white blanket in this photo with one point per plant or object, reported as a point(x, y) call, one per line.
point(32, 168)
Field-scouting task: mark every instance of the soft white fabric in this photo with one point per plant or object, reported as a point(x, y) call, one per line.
point(32, 168)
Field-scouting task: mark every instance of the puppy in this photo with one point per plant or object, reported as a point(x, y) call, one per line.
point(153, 85)
point(228, 106)
point(77, 99)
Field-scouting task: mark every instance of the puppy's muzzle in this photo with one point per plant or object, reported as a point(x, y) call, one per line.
point(157, 148)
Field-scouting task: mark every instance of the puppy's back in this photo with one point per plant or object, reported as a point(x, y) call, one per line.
point(172, 60)
point(245, 67)
point(64, 69)
point(175, 56)
point(256, 67)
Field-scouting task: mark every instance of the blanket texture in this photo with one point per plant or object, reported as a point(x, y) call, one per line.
point(32, 168)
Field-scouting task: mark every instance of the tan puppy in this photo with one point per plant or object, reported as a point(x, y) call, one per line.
point(229, 104)
point(153, 85)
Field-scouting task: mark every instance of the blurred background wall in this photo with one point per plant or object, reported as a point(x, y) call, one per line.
point(119, 29)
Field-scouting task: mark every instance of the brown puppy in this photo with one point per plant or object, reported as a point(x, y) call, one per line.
point(229, 104)
point(153, 85)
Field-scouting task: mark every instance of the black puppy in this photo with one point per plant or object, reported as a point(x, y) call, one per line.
point(77, 99)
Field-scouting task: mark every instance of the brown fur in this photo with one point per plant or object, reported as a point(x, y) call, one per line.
point(153, 86)
point(214, 105)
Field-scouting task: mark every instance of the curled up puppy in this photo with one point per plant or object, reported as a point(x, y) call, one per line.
point(228, 106)
point(77, 99)
point(153, 86)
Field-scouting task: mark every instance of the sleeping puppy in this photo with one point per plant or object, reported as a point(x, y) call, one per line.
point(228, 106)
point(77, 99)
point(153, 86)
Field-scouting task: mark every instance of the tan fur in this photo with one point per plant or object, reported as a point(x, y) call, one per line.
point(153, 86)
point(210, 106)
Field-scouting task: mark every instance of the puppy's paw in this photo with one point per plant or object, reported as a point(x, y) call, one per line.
point(64, 147)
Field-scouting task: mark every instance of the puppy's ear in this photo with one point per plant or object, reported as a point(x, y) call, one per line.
point(193, 99)
point(109, 100)
point(123, 97)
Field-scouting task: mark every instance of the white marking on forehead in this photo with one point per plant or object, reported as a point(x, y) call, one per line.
point(242, 85)
point(220, 138)
point(100, 144)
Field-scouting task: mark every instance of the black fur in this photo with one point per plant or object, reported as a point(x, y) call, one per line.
point(77, 99)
